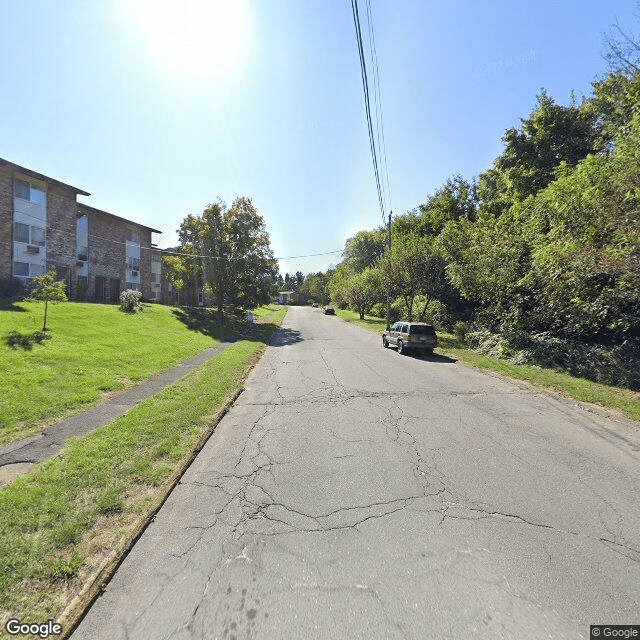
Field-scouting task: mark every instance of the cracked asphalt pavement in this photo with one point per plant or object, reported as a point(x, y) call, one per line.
point(352, 492)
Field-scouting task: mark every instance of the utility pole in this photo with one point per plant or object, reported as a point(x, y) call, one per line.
point(389, 274)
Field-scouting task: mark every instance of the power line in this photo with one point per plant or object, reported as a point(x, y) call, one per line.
point(60, 232)
point(378, 104)
point(367, 104)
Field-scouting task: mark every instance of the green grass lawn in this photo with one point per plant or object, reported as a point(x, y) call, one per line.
point(581, 389)
point(89, 350)
point(53, 518)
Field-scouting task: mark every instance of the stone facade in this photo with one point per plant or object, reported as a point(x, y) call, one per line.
point(98, 254)
point(6, 221)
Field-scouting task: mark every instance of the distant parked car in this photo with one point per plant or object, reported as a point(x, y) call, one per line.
point(329, 311)
point(315, 305)
point(410, 336)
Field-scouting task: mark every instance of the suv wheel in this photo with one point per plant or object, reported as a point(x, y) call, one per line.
point(401, 348)
point(385, 342)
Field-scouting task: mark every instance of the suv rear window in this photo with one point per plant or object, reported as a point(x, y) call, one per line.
point(422, 330)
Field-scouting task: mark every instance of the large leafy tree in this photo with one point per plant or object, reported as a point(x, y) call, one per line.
point(552, 134)
point(356, 289)
point(227, 250)
point(184, 266)
point(454, 200)
point(365, 249)
point(586, 254)
point(250, 266)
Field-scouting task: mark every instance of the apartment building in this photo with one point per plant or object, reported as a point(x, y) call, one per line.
point(98, 254)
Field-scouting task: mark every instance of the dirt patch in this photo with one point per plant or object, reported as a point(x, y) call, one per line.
point(9, 472)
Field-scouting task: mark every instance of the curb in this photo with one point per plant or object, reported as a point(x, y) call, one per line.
point(97, 582)
point(75, 611)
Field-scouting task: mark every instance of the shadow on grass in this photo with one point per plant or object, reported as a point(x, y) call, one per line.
point(17, 340)
point(10, 305)
point(450, 342)
point(207, 322)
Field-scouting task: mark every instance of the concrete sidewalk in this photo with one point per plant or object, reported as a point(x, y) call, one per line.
point(21, 456)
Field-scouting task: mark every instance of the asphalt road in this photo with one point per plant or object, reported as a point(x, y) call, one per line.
point(356, 493)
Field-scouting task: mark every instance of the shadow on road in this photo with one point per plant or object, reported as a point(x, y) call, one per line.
point(286, 337)
point(434, 357)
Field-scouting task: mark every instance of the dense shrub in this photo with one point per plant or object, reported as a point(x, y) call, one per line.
point(615, 365)
point(131, 301)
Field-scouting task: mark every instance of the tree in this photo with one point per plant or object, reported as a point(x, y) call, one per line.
point(552, 134)
point(365, 248)
point(47, 289)
point(184, 268)
point(417, 269)
point(586, 254)
point(454, 200)
point(250, 267)
point(357, 289)
point(623, 48)
point(228, 254)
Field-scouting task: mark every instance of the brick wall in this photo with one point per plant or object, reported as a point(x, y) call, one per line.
point(61, 235)
point(6, 221)
point(105, 268)
point(107, 252)
point(145, 263)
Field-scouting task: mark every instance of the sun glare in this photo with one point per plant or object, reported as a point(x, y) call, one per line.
point(202, 37)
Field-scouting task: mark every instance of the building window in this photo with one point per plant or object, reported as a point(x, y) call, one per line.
point(27, 270)
point(114, 290)
point(82, 288)
point(82, 237)
point(37, 236)
point(133, 263)
point(21, 269)
point(29, 192)
point(28, 235)
point(21, 232)
point(133, 235)
point(134, 286)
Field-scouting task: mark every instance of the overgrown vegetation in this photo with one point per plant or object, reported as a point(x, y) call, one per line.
point(58, 519)
point(539, 255)
point(493, 352)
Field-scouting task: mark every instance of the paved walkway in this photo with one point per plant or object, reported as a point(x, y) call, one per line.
point(20, 456)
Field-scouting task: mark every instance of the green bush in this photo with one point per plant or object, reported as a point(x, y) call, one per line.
point(460, 330)
point(131, 301)
point(379, 310)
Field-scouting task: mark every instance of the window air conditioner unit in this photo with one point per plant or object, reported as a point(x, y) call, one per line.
point(134, 273)
point(79, 263)
point(32, 249)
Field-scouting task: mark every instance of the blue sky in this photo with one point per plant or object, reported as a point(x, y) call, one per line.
point(160, 107)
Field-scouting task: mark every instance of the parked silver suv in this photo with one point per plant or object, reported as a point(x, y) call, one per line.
point(409, 336)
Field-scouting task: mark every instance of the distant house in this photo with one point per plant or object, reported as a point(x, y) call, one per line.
point(98, 254)
point(286, 297)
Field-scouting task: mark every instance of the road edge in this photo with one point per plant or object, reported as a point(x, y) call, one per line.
point(97, 582)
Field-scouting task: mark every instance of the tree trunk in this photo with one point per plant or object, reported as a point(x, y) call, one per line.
point(44, 324)
point(426, 304)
